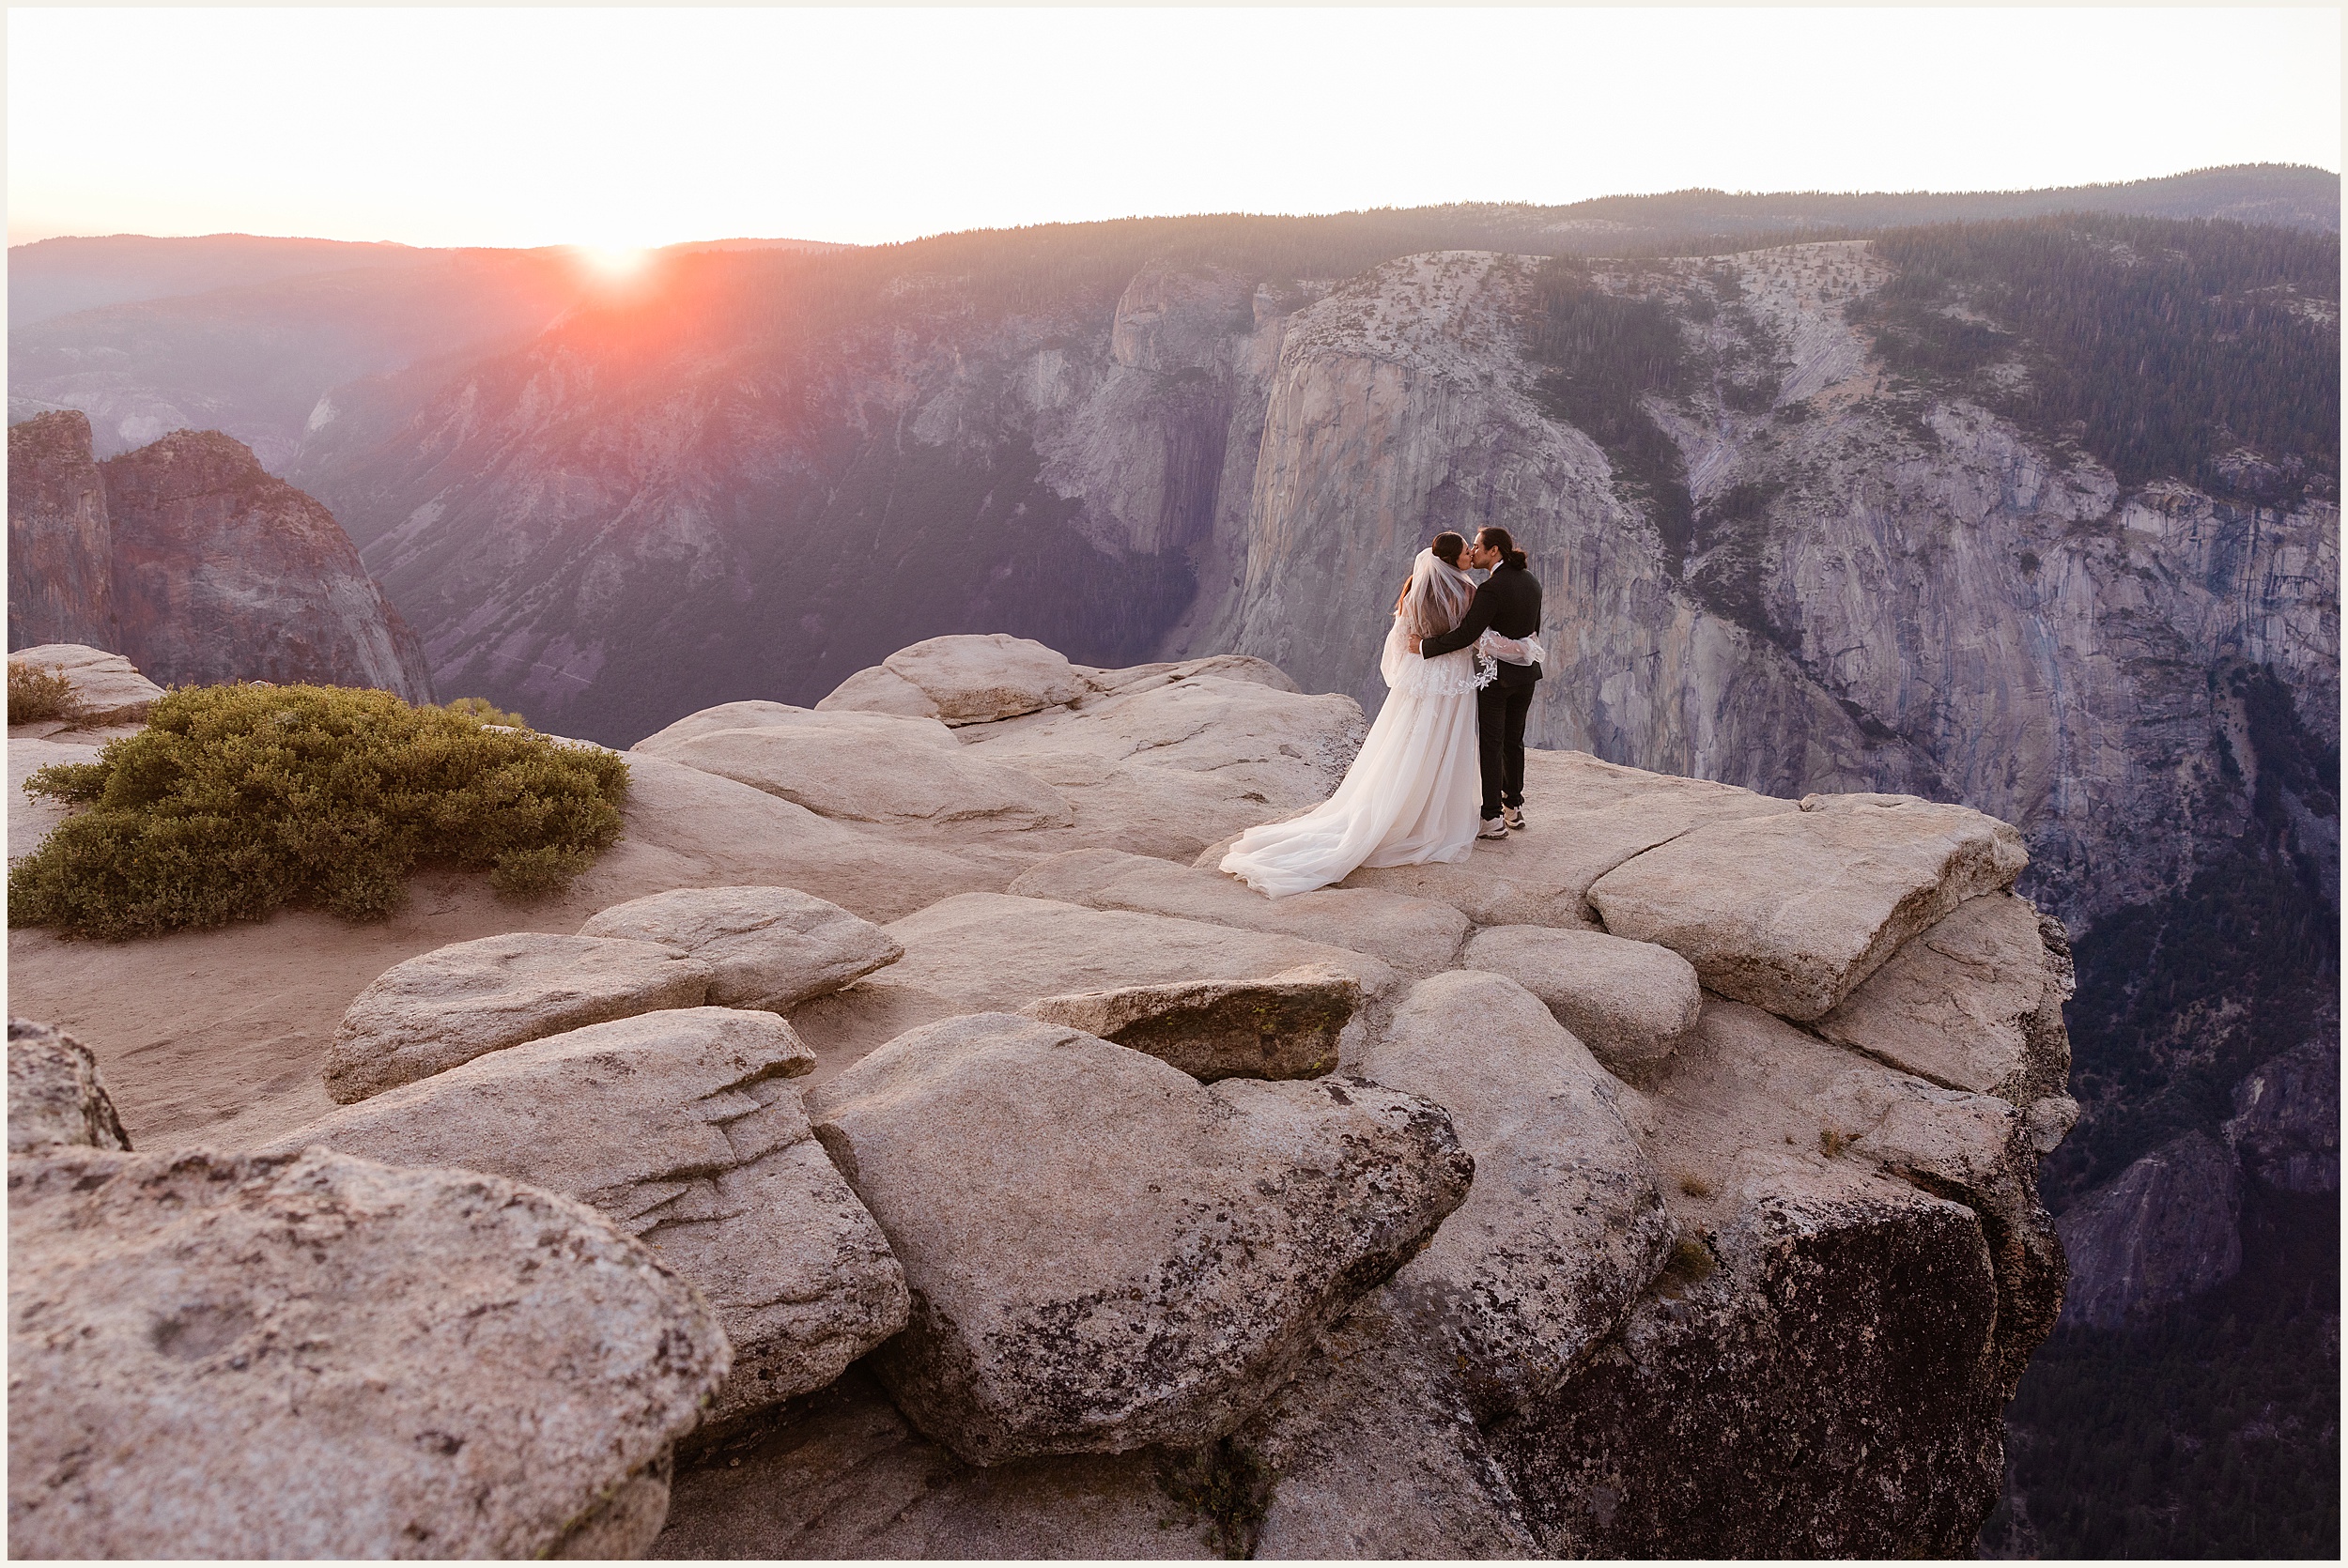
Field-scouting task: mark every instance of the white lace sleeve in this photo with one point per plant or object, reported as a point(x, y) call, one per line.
point(1453, 674)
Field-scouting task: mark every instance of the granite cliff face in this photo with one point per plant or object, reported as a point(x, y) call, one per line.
point(224, 572)
point(61, 540)
point(197, 561)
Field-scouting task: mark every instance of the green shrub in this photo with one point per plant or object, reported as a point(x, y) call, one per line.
point(36, 694)
point(485, 711)
point(236, 801)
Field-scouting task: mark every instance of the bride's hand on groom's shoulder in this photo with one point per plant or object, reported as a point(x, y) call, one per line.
point(1413, 644)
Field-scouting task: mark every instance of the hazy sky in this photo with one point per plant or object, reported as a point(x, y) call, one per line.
point(617, 127)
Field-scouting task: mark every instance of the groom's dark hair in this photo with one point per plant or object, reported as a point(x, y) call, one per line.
point(1449, 548)
point(1494, 537)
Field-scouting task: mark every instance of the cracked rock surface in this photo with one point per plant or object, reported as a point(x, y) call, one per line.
point(686, 1129)
point(426, 1362)
point(1105, 1253)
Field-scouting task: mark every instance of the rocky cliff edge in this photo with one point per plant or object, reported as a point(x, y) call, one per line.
point(1657, 1181)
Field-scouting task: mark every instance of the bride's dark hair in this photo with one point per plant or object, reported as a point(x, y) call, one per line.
point(1449, 548)
point(1494, 537)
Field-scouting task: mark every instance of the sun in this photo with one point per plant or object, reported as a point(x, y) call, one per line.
point(614, 262)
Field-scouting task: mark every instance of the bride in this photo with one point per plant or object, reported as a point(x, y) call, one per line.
point(1412, 794)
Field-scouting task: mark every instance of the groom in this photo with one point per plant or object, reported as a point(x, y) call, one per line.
point(1509, 603)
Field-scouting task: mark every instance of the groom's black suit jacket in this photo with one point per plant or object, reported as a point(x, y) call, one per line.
point(1509, 603)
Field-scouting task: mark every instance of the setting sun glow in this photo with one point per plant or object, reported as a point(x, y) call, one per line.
point(614, 262)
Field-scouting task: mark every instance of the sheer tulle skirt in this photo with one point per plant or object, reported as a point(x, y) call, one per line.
point(1411, 795)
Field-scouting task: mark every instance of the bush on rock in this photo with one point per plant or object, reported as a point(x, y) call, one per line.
point(34, 694)
point(236, 801)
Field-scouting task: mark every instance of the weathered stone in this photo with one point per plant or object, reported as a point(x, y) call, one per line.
point(1746, 1080)
point(982, 952)
point(686, 1129)
point(889, 728)
point(2167, 1227)
point(975, 680)
point(107, 687)
point(1105, 1253)
point(224, 572)
point(31, 817)
point(870, 777)
point(1285, 1026)
point(1630, 1002)
point(770, 948)
point(1565, 1225)
point(843, 1475)
point(1809, 1381)
point(879, 690)
point(1372, 1452)
point(1417, 936)
point(686, 828)
point(1973, 1002)
point(1791, 912)
point(470, 998)
point(1166, 769)
point(55, 1097)
point(224, 1356)
point(2285, 1128)
point(61, 540)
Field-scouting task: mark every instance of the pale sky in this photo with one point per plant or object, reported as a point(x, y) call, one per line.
point(619, 127)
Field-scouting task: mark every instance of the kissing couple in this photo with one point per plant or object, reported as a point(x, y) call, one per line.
point(1461, 664)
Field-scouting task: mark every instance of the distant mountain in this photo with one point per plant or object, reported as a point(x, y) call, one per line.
point(190, 559)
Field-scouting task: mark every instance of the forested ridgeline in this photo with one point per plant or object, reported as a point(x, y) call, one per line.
point(2163, 348)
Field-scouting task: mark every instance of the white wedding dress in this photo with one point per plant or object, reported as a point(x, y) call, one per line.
point(1413, 794)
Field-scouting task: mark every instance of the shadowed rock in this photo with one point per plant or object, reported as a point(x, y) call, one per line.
point(686, 1129)
point(228, 1355)
point(1565, 1225)
point(1791, 912)
point(1630, 1002)
point(844, 1474)
point(1286, 1026)
point(1105, 1253)
point(1372, 1453)
point(2285, 1128)
point(60, 539)
point(770, 948)
point(56, 1097)
point(2167, 1227)
point(447, 1006)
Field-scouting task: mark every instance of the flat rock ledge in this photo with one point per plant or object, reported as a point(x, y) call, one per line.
point(443, 1008)
point(685, 1127)
point(1630, 1002)
point(1105, 1253)
point(1791, 912)
point(311, 1355)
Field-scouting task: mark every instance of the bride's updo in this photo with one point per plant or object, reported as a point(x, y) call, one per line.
point(1449, 548)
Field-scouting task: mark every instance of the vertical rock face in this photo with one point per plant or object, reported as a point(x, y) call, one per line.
point(60, 543)
point(2286, 1123)
point(224, 572)
point(2167, 1227)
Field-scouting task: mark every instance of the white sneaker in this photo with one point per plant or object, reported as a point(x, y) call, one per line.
point(1495, 827)
point(1514, 817)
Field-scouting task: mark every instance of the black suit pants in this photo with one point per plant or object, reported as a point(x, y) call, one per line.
point(1500, 713)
